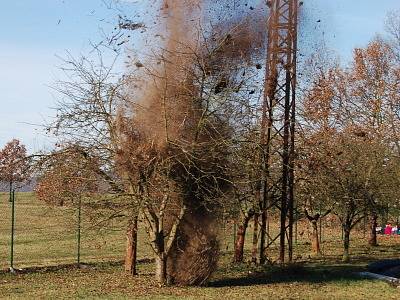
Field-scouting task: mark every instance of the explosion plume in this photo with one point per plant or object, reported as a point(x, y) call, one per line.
point(178, 126)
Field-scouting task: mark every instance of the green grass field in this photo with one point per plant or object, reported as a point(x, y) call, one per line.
point(46, 236)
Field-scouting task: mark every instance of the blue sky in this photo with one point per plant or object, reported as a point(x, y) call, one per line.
point(35, 32)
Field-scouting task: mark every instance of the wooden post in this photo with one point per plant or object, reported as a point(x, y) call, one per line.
point(12, 230)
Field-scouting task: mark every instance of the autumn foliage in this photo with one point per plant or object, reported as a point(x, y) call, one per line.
point(14, 166)
point(67, 176)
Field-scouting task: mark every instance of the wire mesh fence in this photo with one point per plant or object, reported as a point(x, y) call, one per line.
point(52, 235)
point(48, 236)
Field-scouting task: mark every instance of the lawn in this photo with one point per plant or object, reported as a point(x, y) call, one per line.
point(46, 236)
point(107, 281)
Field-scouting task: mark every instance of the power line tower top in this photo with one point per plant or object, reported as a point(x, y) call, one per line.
point(282, 46)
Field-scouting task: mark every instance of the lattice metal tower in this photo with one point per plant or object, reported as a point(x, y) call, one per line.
point(278, 124)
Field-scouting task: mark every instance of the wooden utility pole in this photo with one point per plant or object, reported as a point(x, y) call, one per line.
point(278, 123)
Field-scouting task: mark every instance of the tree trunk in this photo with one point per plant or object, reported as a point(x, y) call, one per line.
point(316, 234)
point(255, 239)
point(263, 234)
point(131, 247)
point(315, 245)
point(346, 243)
point(161, 269)
point(241, 236)
point(372, 240)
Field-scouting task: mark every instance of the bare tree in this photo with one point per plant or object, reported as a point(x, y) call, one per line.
point(393, 29)
point(86, 119)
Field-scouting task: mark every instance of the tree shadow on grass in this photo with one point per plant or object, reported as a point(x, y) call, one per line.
point(292, 274)
point(73, 266)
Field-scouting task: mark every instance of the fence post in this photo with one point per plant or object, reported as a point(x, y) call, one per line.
point(12, 198)
point(79, 232)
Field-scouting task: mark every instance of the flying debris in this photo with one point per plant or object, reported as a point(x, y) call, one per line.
point(138, 64)
point(124, 23)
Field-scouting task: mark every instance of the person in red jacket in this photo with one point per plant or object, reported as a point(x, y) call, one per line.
point(388, 229)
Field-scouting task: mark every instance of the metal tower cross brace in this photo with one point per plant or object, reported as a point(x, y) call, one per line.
point(278, 122)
